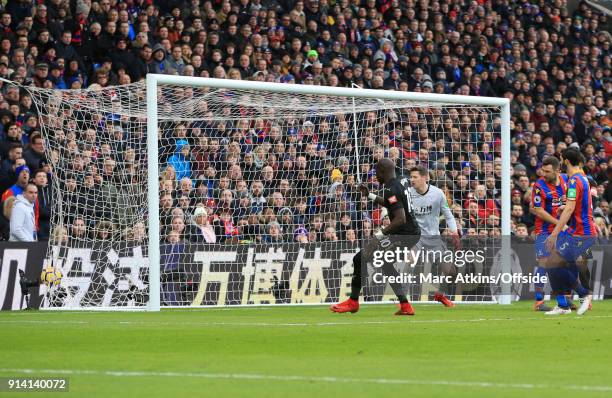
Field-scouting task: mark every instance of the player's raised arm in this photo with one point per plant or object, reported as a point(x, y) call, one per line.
point(365, 191)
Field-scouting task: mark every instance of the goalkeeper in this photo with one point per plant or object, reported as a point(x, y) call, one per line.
point(429, 204)
point(403, 227)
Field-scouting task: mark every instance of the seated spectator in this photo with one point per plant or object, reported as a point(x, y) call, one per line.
point(59, 236)
point(300, 234)
point(35, 153)
point(225, 230)
point(181, 160)
point(201, 230)
point(78, 232)
point(486, 206)
point(274, 233)
point(104, 230)
point(330, 234)
point(351, 236)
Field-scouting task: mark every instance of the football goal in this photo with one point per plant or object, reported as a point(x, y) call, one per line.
point(183, 191)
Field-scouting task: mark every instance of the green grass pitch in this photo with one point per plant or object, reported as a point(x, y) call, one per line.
point(467, 351)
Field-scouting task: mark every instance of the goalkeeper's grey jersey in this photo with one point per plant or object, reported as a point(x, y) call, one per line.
point(428, 207)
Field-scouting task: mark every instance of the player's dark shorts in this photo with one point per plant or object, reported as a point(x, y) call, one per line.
point(388, 243)
point(570, 247)
point(540, 245)
point(367, 263)
point(401, 241)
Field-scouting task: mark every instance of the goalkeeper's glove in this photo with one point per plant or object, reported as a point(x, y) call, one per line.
point(379, 234)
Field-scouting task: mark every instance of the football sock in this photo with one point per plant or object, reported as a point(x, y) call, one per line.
point(562, 301)
point(402, 298)
point(447, 288)
point(571, 279)
point(558, 282)
point(584, 274)
point(539, 287)
point(389, 270)
point(356, 280)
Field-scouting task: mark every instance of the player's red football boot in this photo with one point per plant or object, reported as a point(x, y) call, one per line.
point(405, 309)
point(443, 299)
point(349, 305)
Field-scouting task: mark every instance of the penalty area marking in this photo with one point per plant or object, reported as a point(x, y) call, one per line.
point(296, 378)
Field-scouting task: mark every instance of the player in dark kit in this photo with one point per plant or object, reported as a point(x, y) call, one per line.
point(396, 199)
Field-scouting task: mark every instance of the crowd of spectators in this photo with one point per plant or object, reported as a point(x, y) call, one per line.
point(275, 179)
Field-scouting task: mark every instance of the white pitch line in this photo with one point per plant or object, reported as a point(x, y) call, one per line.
point(266, 307)
point(299, 378)
point(291, 324)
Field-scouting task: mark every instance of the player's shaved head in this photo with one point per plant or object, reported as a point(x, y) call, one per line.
point(385, 170)
point(386, 164)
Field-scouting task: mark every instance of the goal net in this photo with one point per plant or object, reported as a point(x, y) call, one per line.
point(205, 192)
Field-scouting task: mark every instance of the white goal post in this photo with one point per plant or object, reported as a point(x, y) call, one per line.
point(154, 82)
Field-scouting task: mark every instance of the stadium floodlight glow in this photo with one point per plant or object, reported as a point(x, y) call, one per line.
point(135, 128)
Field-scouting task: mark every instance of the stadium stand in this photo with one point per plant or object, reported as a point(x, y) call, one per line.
point(555, 68)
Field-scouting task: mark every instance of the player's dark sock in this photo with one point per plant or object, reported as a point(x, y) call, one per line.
point(402, 298)
point(584, 274)
point(562, 301)
point(570, 274)
point(572, 268)
point(558, 282)
point(356, 280)
point(539, 287)
point(553, 277)
point(389, 270)
point(581, 290)
point(447, 288)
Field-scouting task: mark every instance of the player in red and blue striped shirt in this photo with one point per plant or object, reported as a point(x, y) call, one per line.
point(547, 197)
point(581, 223)
point(573, 242)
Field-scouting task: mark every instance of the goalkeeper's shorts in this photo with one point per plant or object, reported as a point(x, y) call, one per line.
point(431, 243)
